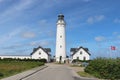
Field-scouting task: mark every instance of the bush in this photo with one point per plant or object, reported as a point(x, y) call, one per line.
point(1, 75)
point(76, 60)
point(104, 68)
point(36, 60)
point(43, 60)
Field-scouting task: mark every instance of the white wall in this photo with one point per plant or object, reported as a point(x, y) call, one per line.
point(43, 55)
point(81, 56)
point(16, 57)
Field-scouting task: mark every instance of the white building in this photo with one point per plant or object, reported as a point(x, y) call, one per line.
point(41, 53)
point(60, 54)
point(38, 53)
point(80, 53)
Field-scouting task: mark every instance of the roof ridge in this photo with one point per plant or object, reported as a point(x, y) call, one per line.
point(77, 49)
point(44, 49)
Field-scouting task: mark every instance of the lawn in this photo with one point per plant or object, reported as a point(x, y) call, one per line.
point(8, 68)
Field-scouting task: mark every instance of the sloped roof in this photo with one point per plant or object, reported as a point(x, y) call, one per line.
point(74, 50)
point(44, 49)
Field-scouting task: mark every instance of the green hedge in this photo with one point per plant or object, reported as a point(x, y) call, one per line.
point(10, 59)
point(76, 60)
point(104, 68)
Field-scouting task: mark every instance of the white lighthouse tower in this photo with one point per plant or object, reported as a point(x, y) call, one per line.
point(60, 55)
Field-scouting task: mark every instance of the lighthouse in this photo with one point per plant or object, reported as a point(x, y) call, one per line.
point(60, 54)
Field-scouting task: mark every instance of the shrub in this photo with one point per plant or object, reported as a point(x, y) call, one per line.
point(76, 60)
point(10, 59)
point(43, 60)
point(1, 74)
point(104, 68)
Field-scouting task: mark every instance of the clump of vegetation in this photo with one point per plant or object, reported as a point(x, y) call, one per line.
point(1, 75)
point(104, 68)
point(10, 67)
point(77, 60)
point(33, 60)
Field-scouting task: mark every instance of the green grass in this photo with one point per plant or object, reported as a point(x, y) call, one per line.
point(8, 68)
point(84, 74)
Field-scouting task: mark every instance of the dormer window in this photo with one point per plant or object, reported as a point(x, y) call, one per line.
point(39, 53)
point(80, 52)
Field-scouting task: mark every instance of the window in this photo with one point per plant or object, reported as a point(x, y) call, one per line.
point(60, 46)
point(60, 36)
point(39, 53)
point(80, 52)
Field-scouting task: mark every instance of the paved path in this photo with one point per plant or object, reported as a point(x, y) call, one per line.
point(52, 72)
point(56, 72)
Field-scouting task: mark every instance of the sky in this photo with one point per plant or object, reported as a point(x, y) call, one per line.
point(27, 24)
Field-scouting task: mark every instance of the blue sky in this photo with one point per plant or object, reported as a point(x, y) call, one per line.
point(26, 24)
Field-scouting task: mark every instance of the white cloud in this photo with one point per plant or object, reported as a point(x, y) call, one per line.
point(34, 43)
point(100, 17)
point(45, 43)
point(13, 46)
point(28, 35)
point(94, 19)
point(51, 33)
point(117, 20)
point(99, 38)
point(115, 33)
point(24, 4)
point(90, 20)
point(119, 37)
point(9, 35)
point(41, 43)
point(1, 1)
point(45, 26)
point(43, 23)
point(15, 10)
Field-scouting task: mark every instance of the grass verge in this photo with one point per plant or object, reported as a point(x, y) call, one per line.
point(9, 68)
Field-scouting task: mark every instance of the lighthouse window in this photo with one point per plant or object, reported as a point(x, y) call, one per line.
point(60, 46)
point(60, 36)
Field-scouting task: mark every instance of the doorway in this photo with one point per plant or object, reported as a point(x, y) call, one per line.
point(60, 59)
